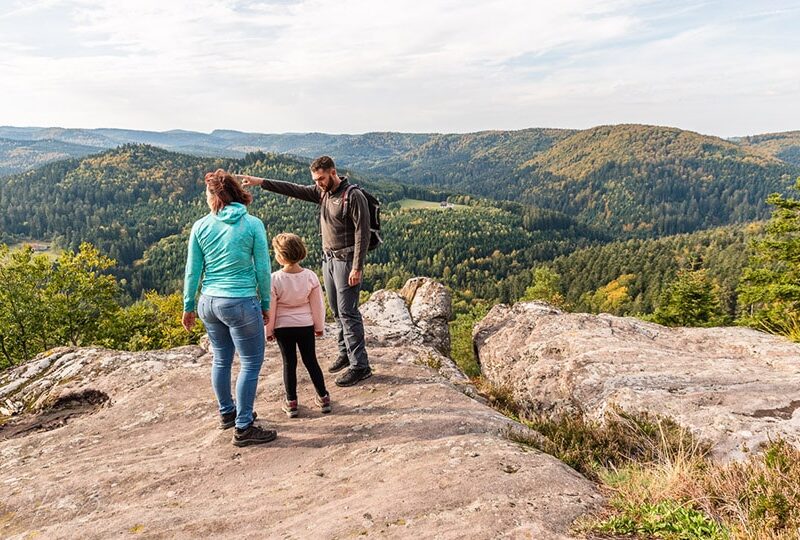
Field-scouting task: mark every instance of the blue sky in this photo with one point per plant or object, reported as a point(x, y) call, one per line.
point(350, 66)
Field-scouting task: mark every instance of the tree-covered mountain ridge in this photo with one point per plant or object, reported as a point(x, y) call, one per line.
point(401, 152)
point(137, 202)
point(653, 181)
point(589, 150)
point(629, 179)
point(784, 146)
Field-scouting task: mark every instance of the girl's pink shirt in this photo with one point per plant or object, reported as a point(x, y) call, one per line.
point(296, 301)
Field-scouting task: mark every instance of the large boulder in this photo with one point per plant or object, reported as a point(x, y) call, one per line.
point(417, 314)
point(734, 387)
point(430, 307)
point(106, 444)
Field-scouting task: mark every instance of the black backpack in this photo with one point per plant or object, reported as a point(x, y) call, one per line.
point(374, 206)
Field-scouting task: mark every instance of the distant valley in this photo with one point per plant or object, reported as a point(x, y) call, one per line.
point(533, 196)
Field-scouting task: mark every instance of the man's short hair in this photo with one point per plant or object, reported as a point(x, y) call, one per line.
point(322, 163)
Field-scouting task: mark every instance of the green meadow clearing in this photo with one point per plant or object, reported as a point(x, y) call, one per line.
point(40, 247)
point(416, 204)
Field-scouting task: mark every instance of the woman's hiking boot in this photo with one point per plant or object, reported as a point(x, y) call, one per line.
point(228, 420)
point(253, 434)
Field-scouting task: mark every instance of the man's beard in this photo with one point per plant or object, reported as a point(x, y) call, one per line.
point(328, 185)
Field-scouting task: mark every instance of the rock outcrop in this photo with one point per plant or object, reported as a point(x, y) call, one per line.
point(418, 314)
point(430, 308)
point(101, 444)
point(734, 387)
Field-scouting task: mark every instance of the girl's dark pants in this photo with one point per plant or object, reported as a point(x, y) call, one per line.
point(289, 340)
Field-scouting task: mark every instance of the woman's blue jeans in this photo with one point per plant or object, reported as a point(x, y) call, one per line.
point(234, 324)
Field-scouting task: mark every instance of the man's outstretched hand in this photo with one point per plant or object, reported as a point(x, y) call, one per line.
point(248, 180)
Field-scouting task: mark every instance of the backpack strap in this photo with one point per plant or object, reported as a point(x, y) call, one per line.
point(345, 198)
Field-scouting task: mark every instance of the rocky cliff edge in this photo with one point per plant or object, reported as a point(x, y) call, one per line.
point(99, 444)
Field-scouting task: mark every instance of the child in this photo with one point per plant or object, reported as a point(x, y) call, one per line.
point(296, 316)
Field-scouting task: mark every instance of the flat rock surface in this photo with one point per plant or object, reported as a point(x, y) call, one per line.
point(734, 387)
point(125, 444)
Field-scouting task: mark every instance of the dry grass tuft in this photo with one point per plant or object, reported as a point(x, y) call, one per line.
point(660, 480)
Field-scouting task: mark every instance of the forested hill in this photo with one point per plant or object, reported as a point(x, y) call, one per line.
point(137, 202)
point(632, 180)
point(784, 146)
point(17, 156)
point(126, 200)
point(480, 163)
point(647, 267)
point(653, 181)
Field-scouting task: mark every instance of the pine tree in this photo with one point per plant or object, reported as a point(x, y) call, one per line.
point(769, 292)
point(693, 299)
point(545, 287)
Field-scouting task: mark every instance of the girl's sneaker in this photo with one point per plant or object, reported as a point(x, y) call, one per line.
point(290, 408)
point(324, 403)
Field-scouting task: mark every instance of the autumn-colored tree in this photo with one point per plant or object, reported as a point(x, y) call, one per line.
point(45, 303)
point(79, 295)
point(611, 298)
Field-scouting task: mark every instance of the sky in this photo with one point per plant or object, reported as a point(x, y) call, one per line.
point(724, 68)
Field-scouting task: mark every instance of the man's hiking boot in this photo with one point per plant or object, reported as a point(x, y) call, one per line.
point(353, 375)
point(324, 403)
point(253, 434)
point(340, 363)
point(228, 420)
point(290, 408)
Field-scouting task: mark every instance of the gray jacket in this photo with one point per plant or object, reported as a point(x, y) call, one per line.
point(339, 231)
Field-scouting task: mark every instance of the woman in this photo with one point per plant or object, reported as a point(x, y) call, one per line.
point(229, 248)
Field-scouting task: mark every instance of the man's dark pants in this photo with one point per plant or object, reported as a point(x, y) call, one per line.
point(343, 299)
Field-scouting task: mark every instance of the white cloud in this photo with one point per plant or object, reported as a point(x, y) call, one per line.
point(400, 65)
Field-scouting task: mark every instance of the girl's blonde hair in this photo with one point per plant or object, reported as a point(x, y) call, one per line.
point(291, 247)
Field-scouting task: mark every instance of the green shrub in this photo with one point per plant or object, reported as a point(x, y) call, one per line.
point(462, 351)
point(152, 323)
point(667, 519)
point(46, 303)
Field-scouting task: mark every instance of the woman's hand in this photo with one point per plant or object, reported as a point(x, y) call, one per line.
point(265, 314)
point(318, 333)
point(189, 318)
point(248, 180)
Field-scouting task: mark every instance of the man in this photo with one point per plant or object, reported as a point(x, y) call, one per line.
point(345, 240)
